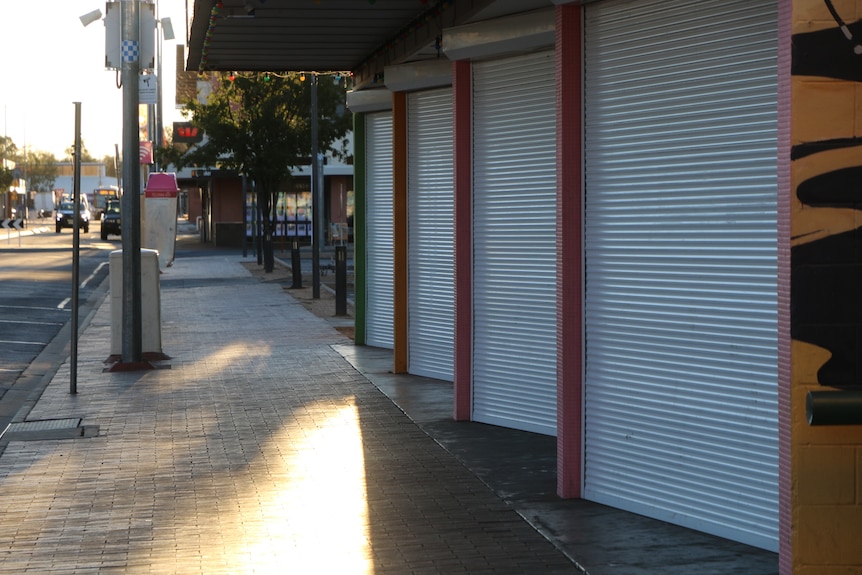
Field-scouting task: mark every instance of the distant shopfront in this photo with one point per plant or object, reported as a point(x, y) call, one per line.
point(223, 204)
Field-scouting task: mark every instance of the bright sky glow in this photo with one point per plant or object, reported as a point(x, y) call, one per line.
point(50, 60)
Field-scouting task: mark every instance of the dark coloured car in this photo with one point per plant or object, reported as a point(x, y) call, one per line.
point(111, 219)
point(65, 217)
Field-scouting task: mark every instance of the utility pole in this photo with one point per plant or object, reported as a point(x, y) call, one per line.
point(131, 202)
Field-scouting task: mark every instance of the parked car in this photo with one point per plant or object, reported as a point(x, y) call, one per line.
point(65, 217)
point(111, 219)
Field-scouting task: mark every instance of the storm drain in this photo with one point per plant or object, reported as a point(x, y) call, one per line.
point(69, 428)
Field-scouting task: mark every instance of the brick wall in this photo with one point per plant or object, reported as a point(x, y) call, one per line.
point(826, 293)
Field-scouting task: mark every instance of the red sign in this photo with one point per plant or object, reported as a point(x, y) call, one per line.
point(146, 152)
point(186, 133)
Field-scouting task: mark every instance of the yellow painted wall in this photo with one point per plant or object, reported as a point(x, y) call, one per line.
point(826, 462)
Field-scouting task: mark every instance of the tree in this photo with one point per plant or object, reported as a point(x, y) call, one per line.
point(113, 166)
point(41, 171)
point(259, 124)
point(86, 156)
point(8, 149)
point(8, 157)
point(6, 179)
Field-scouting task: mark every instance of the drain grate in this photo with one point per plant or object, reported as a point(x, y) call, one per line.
point(44, 425)
point(68, 428)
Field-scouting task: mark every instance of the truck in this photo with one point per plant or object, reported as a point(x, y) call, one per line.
point(101, 196)
point(43, 203)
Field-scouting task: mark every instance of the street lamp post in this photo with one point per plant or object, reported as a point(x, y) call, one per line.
point(166, 32)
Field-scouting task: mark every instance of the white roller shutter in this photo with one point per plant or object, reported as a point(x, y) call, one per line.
point(379, 302)
point(681, 263)
point(430, 243)
point(514, 218)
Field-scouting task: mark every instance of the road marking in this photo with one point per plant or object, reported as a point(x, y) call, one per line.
point(31, 322)
point(27, 307)
point(83, 284)
point(93, 275)
point(23, 342)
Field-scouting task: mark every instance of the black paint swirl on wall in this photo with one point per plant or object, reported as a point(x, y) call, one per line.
point(826, 284)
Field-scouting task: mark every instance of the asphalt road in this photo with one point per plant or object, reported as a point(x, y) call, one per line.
point(36, 294)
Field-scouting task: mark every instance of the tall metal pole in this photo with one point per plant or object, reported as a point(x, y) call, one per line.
point(117, 167)
point(316, 196)
point(76, 250)
point(159, 124)
point(131, 202)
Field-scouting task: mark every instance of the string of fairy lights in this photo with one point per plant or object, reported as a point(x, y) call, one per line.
point(218, 13)
point(336, 75)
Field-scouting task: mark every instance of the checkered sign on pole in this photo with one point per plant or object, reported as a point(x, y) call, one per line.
point(130, 51)
point(142, 50)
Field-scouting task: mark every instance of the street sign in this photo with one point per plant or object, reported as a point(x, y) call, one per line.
point(15, 224)
point(148, 92)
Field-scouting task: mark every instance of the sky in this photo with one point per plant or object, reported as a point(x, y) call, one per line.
point(49, 60)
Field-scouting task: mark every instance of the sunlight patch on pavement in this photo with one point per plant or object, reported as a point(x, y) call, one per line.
point(315, 512)
point(245, 354)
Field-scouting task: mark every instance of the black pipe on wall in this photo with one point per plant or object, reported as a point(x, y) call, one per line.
point(840, 407)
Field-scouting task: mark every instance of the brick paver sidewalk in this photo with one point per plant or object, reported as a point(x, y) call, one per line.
point(256, 448)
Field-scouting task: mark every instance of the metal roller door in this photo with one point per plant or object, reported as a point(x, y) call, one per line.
point(681, 408)
point(514, 262)
point(430, 244)
point(379, 303)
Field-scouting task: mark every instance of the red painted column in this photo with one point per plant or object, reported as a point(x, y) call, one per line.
point(399, 230)
point(570, 296)
point(463, 168)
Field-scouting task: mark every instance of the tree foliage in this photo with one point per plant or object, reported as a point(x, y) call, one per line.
point(259, 124)
point(113, 166)
point(86, 156)
point(41, 171)
point(8, 149)
point(6, 178)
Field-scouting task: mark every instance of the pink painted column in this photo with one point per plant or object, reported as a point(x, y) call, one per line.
point(463, 152)
point(785, 191)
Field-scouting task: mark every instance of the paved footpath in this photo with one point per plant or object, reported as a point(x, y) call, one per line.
point(257, 448)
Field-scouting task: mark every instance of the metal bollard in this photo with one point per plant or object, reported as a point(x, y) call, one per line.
point(296, 265)
point(340, 280)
